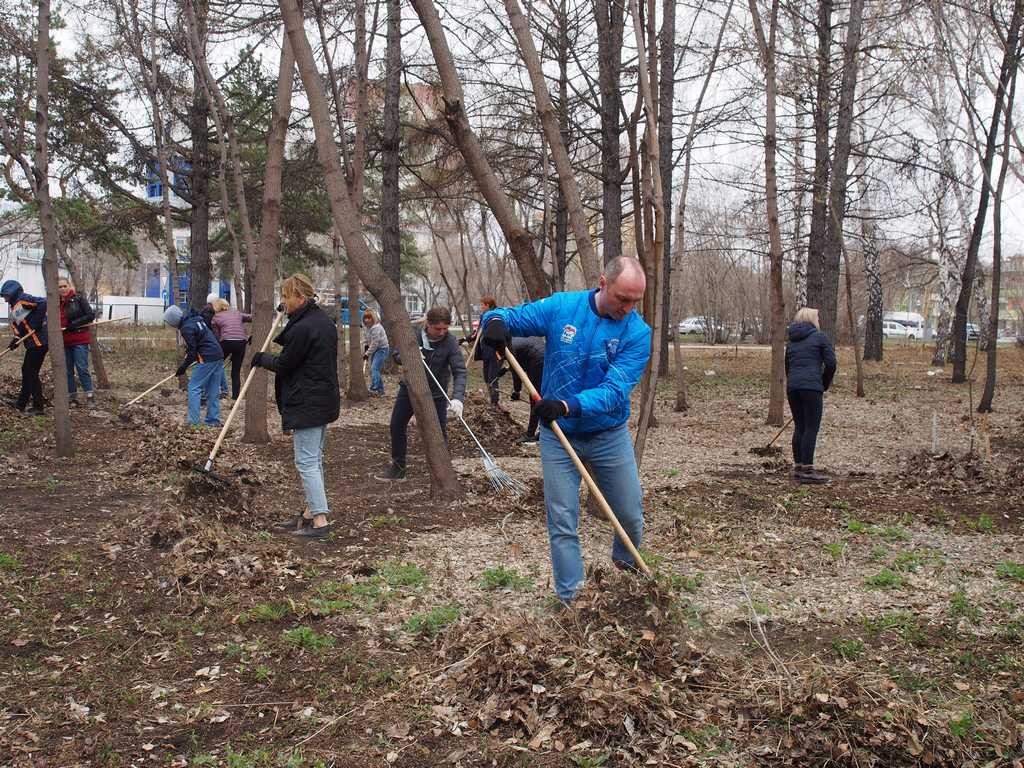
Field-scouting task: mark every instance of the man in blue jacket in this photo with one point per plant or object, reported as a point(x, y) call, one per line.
point(596, 351)
point(203, 349)
point(28, 320)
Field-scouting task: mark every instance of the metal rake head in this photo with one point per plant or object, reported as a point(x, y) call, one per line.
point(502, 481)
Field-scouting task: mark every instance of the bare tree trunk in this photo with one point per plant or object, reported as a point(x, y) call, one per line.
point(666, 103)
point(358, 392)
point(559, 154)
point(829, 306)
point(41, 173)
point(270, 240)
point(819, 186)
point(680, 245)
point(777, 375)
point(850, 316)
point(656, 234)
point(519, 240)
point(390, 141)
point(981, 302)
point(339, 280)
point(997, 256)
point(199, 259)
point(1009, 65)
point(608, 15)
point(873, 278)
point(444, 481)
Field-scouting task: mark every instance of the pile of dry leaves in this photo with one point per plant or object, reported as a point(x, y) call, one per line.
point(620, 676)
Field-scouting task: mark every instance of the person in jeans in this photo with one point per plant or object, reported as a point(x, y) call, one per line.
point(307, 394)
point(375, 350)
point(529, 352)
point(27, 315)
point(441, 352)
point(810, 366)
point(229, 328)
point(491, 364)
point(208, 312)
point(596, 351)
point(203, 349)
point(75, 312)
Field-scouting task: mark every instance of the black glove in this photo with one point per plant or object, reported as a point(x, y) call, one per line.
point(496, 335)
point(14, 343)
point(366, 347)
point(280, 307)
point(260, 360)
point(181, 369)
point(366, 356)
point(463, 340)
point(550, 410)
point(514, 396)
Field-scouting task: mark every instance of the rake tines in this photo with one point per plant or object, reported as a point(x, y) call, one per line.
point(502, 481)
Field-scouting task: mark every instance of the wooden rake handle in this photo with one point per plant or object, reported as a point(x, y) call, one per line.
point(134, 400)
point(591, 485)
point(241, 397)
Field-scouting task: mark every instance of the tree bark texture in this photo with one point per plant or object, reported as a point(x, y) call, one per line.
point(199, 257)
point(839, 173)
point(872, 278)
point(358, 392)
point(608, 15)
point(777, 373)
point(1008, 65)
point(819, 185)
point(518, 237)
point(444, 482)
point(666, 104)
point(390, 147)
point(556, 143)
point(41, 173)
point(270, 241)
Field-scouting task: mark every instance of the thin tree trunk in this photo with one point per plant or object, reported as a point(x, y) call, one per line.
point(850, 316)
point(819, 187)
point(666, 103)
point(981, 303)
point(444, 481)
point(270, 241)
point(358, 392)
point(1009, 64)
point(390, 147)
point(41, 172)
point(608, 15)
point(829, 306)
point(873, 278)
point(339, 280)
point(777, 374)
point(199, 257)
point(656, 237)
point(518, 237)
point(559, 153)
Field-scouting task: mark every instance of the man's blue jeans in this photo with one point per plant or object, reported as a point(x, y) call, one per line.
point(376, 362)
point(309, 461)
point(609, 455)
point(205, 379)
point(77, 359)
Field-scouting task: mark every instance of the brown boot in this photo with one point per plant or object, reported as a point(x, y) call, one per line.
point(809, 476)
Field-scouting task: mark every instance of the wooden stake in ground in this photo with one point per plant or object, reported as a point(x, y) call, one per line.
point(595, 492)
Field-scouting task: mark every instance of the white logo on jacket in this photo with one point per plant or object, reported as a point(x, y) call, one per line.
point(568, 334)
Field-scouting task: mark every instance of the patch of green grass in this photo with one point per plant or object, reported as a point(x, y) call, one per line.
point(856, 526)
point(339, 596)
point(671, 473)
point(653, 560)
point(52, 484)
point(266, 612)
point(257, 758)
point(305, 639)
point(1013, 571)
point(383, 521)
point(397, 574)
point(907, 562)
point(903, 622)
point(323, 607)
point(969, 660)
point(891, 533)
point(877, 554)
point(963, 726)
point(590, 762)
point(834, 549)
point(262, 673)
point(840, 506)
point(985, 524)
point(8, 562)
point(848, 649)
point(433, 621)
point(960, 606)
point(885, 579)
point(501, 577)
point(912, 681)
point(680, 582)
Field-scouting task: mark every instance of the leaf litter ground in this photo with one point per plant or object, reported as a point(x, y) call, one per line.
point(151, 618)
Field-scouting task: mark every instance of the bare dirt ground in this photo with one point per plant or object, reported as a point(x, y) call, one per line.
point(150, 618)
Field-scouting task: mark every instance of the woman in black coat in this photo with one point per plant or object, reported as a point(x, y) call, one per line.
point(308, 398)
point(810, 366)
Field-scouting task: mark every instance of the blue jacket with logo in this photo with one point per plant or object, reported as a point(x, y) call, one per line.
point(200, 342)
point(590, 361)
point(27, 314)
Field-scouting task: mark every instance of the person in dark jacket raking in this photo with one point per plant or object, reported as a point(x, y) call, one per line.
point(441, 351)
point(203, 349)
point(307, 394)
point(75, 313)
point(529, 351)
point(810, 367)
point(28, 320)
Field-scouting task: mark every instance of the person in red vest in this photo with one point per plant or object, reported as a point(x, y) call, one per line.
point(75, 313)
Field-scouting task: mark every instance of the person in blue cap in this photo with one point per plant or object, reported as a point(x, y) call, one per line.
point(203, 349)
point(596, 351)
point(27, 316)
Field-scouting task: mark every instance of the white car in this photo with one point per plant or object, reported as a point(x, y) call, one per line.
point(693, 325)
point(890, 328)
